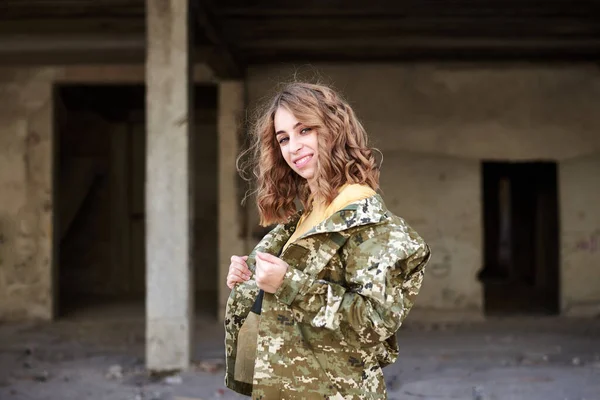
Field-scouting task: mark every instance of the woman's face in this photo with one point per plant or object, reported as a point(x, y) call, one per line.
point(297, 142)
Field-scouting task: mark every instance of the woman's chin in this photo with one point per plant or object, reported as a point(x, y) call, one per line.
point(307, 176)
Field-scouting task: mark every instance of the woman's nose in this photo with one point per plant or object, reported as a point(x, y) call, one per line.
point(295, 145)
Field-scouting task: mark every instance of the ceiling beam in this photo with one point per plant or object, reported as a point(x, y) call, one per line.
point(224, 62)
point(46, 49)
point(249, 29)
point(62, 42)
point(18, 9)
point(419, 42)
point(73, 26)
point(471, 8)
point(498, 55)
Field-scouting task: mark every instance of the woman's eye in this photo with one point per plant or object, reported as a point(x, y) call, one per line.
point(305, 130)
point(282, 140)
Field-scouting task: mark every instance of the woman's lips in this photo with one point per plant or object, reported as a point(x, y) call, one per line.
point(303, 161)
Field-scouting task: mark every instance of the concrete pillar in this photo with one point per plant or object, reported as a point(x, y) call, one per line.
point(169, 293)
point(231, 106)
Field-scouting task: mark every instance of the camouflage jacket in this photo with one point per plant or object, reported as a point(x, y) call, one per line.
point(331, 326)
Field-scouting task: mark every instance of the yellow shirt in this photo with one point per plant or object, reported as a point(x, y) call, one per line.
point(349, 193)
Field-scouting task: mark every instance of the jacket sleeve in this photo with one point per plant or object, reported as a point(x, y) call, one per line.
point(273, 239)
point(383, 276)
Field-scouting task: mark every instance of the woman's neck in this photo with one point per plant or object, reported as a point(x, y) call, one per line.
point(312, 186)
point(314, 198)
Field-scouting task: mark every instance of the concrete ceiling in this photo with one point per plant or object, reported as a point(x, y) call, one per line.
point(231, 34)
point(356, 30)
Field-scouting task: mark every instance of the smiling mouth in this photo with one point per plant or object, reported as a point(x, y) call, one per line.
point(301, 162)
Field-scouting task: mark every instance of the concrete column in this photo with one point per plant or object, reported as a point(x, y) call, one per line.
point(231, 106)
point(169, 306)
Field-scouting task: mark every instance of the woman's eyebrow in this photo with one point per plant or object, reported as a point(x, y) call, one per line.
point(295, 126)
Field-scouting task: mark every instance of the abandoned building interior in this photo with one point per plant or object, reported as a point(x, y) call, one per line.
point(121, 121)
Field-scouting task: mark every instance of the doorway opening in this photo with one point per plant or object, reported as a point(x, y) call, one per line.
point(520, 217)
point(100, 200)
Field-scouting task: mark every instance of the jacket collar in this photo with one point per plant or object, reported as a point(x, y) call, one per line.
point(370, 210)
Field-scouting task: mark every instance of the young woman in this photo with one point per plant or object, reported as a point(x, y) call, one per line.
point(315, 307)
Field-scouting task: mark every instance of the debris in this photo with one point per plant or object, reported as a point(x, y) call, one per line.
point(186, 398)
point(211, 366)
point(532, 358)
point(156, 396)
point(393, 383)
point(42, 376)
point(174, 380)
point(114, 372)
point(479, 394)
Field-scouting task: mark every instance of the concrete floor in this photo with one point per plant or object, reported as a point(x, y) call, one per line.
point(98, 354)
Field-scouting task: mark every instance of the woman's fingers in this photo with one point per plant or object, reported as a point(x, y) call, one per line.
point(239, 274)
point(233, 279)
point(270, 258)
point(238, 271)
point(239, 263)
point(242, 270)
point(239, 260)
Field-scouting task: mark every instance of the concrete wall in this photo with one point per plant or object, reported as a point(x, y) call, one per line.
point(27, 276)
point(26, 188)
point(580, 235)
point(421, 188)
point(435, 122)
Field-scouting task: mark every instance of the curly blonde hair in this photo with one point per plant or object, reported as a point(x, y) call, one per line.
point(343, 155)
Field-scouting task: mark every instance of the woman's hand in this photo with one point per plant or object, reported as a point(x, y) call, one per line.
point(238, 271)
point(270, 271)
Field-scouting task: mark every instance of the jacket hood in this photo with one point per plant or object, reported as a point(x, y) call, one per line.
point(370, 210)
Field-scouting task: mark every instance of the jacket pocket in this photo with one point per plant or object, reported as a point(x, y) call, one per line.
point(355, 372)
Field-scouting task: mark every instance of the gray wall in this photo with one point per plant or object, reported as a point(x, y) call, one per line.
point(26, 224)
point(28, 266)
point(434, 123)
point(580, 235)
point(439, 197)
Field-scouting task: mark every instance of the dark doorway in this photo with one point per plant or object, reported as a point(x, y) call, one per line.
point(520, 215)
point(100, 199)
